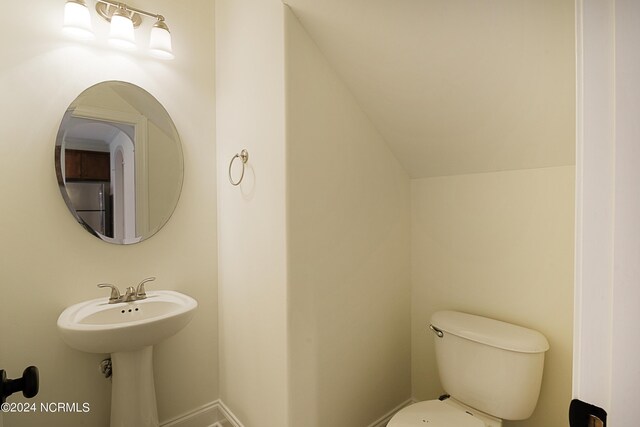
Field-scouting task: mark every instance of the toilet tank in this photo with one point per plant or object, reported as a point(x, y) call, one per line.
point(492, 366)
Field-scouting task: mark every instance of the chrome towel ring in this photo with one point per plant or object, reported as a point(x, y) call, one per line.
point(244, 157)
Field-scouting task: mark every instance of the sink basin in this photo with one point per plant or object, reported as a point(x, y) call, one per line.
point(128, 330)
point(96, 326)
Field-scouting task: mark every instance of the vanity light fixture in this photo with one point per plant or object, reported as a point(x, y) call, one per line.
point(160, 41)
point(121, 32)
point(124, 19)
point(77, 20)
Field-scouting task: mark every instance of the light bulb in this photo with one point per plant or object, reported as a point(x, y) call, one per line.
point(160, 41)
point(121, 33)
point(77, 20)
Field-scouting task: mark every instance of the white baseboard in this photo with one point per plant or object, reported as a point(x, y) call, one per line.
point(382, 421)
point(230, 419)
point(204, 416)
point(213, 414)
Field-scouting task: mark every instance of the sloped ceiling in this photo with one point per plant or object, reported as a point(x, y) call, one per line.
point(457, 86)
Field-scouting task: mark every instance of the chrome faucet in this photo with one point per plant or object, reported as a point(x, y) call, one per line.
point(131, 294)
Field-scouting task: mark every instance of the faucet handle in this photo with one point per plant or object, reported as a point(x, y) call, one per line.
point(140, 291)
point(115, 292)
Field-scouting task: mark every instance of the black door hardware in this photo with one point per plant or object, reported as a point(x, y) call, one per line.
point(582, 414)
point(28, 384)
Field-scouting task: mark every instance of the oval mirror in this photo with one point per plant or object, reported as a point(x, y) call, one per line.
point(119, 162)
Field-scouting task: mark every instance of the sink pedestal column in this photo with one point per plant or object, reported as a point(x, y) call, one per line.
point(133, 395)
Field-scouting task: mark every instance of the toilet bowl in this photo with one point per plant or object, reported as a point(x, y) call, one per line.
point(472, 352)
point(442, 413)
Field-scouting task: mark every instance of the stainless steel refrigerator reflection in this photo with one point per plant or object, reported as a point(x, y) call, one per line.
point(90, 200)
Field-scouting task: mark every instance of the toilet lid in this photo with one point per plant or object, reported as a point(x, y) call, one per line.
point(433, 413)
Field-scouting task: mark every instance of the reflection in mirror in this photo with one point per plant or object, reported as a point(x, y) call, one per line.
point(119, 162)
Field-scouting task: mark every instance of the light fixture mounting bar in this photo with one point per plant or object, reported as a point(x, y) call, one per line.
point(103, 9)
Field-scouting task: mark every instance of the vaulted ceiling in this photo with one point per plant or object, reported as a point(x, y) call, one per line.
point(457, 86)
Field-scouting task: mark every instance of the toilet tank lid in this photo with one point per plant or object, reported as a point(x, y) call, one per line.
point(490, 332)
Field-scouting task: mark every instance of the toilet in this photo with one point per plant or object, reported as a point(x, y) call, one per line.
point(490, 370)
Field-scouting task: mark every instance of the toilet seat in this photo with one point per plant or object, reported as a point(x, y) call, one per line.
point(433, 413)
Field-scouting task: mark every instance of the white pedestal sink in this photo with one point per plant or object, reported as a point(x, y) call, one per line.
point(128, 330)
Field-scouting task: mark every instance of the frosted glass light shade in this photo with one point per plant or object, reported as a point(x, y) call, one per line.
point(77, 20)
point(160, 41)
point(121, 33)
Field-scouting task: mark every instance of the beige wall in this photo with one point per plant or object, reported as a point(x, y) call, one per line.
point(49, 262)
point(316, 231)
point(348, 251)
point(252, 218)
point(499, 245)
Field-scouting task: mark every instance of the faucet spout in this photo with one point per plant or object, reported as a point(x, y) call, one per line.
point(130, 294)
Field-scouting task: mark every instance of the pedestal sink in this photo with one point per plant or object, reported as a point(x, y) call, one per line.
point(128, 330)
